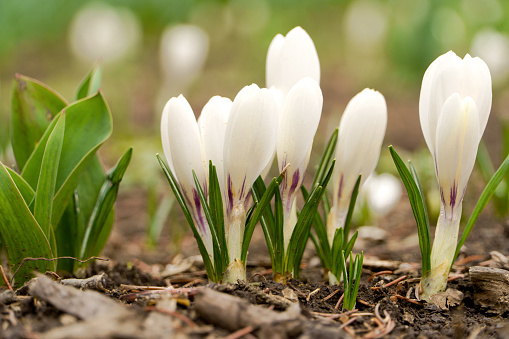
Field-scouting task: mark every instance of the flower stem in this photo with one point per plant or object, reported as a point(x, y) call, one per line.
point(442, 253)
point(234, 238)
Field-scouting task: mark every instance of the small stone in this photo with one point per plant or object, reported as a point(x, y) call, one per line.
point(290, 294)
point(67, 319)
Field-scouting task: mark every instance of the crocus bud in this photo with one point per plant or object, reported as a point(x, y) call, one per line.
point(296, 129)
point(447, 75)
point(250, 139)
point(290, 59)
point(212, 124)
point(187, 150)
point(361, 133)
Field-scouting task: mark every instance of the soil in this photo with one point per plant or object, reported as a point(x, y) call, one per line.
point(136, 277)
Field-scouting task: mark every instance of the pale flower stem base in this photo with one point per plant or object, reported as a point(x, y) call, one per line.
point(442, 253)
point(235, 231)
point(336, 219)
point(333, 280)
point(234, 272)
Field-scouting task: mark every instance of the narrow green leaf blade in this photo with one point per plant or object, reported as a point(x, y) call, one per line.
point(418, 208)
point(98, 229)
point(209, 267)
point(482, 202)
point(327, 157)
point(257, 214)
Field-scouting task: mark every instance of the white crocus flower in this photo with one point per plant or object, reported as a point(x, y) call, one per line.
point(360, 137)
point(184, 150)
point(250, 138)
point(454, 108)
point(297, 127)
point(291, 58)
point(212, 124)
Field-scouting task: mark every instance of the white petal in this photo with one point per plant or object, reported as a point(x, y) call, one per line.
point(457, 142)
point(361, 133)
point(272, 67)
point(431, 99)
point(181, 132)
point(212, 124)
point(298, 123)
point(450, 74)
point(290, 59)
point(250, 138)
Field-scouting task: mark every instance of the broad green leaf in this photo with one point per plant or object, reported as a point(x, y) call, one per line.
point(88, 125)
point(24, 188)
point(418, 208)
point(33, 107)
point(48, 177)
point(67, 236)
point(91, 83)
point(98, 227)
point(21, 235)
point(482, 202)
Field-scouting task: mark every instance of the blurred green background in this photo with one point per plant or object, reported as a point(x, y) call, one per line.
point(386, 45)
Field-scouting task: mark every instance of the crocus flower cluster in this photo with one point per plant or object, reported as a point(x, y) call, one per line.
point(454, 107)
point(293, 73)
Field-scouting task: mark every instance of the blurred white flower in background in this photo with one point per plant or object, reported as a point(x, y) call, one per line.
point(493, 48)
point(182, 55)
point(100, 31)
point(366, 25)
point(183, 52)
point(382, 192)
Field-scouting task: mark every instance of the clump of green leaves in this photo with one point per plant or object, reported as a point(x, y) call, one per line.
point(59, 201)
point(333, 255)
point(213, 209)
point(415, 195)
point(286, 264)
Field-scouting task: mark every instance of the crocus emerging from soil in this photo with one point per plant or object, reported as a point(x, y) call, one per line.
point(188, 150)
point(454, 107)
point(250, 139)
point(293, 75)
point(297, 127)
point(361, 132)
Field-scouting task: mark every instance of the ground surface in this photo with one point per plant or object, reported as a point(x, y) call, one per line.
point(139, 282)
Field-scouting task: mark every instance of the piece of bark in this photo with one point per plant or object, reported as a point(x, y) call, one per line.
point(491, 288)
point(97, 282)
point(233, 313)
point(82, 304)
point(261, 297)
